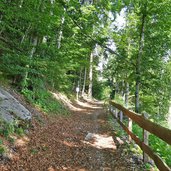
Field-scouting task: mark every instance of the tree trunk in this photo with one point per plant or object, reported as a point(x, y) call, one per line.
point(90, 77)
point(126, 94)
point(138, 63)
point(126, 105)
point(26, 33)
point(80, 80)
point(59, 39)
point(35, 41)
point(112, 87)
point(84, 83)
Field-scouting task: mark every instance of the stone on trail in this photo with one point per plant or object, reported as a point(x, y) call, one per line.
point(89, 136)
point(10, 108)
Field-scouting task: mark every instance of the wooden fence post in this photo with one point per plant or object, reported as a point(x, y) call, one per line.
point(145, 140)
point(116, 112)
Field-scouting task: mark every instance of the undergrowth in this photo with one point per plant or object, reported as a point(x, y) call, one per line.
point(160, 147)
point(44, 100)
point(130, 147)
point(7, 130)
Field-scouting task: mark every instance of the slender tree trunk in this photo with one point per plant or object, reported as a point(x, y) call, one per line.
point(35, 41)
point(138, 63)
point(90, 77)
point(127, 94)
point(80, 80)
point(84, 83)
point(126, 105)
point(26, 33)
point(112, 87)
point(123, 89)
point(2, 27)
point(59, 39)
point(116, 87)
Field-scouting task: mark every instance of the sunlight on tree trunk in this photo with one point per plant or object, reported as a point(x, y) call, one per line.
point(138, 62)
point(84, 83)
point(90, 77)
point(35, 41)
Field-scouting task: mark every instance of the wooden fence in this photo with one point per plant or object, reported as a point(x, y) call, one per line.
point(145, 124)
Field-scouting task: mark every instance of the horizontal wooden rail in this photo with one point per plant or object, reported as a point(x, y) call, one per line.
point(158, 161)
point(159, 131)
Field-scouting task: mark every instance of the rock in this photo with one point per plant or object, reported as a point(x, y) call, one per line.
point(89, 136)
point(11, 109)
point(138, 159)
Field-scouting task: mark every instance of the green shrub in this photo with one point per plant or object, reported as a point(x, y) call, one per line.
point(2, 149)
point(45, 101)
point(19, 131)
point(8, 129)
point(137, 131)
point(158, 146)
point(161, 148)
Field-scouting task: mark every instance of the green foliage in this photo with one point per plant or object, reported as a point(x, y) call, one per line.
point(137, 131)
point(34, 151)
point(119, 99)
point(161, 148)
point(148, 167)
point(20, 131)
point(8, 129)
point(45, 100)
point(47, 45)
point(100, 90)
point(135, 149)
point(2, 149)
point(3, 81)
point(116, 127)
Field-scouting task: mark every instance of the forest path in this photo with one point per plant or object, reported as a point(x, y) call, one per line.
point(82, 141)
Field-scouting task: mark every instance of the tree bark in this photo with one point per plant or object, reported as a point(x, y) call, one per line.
point(127, 94)
point(34, 44)
point(84, 83)
point(90, 77)
point(138, 62)
point(59, 39)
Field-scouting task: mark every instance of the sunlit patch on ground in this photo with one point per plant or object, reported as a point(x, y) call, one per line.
point(100, 141)
point(69, 144)
point(22, 141)
point(80, 106)
point(66, 101)
point(84, 104)
point(119, 140)
point(51, 169)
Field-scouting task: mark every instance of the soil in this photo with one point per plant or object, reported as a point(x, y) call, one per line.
point(82, 141)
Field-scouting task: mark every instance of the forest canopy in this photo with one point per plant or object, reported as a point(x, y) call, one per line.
point(64, 44)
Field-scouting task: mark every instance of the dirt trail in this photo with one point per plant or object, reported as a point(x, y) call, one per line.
point(79, 142)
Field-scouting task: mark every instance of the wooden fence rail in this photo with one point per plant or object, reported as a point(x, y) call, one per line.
point(159, 131)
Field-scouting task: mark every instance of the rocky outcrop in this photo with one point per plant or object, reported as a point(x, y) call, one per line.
point(11, 109)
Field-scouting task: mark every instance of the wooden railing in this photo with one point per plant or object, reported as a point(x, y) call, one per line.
point(145, 124)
